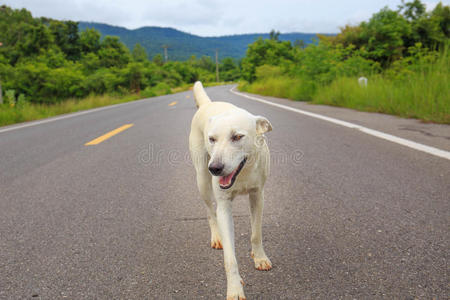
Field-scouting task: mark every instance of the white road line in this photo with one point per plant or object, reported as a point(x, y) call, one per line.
point(376, 133)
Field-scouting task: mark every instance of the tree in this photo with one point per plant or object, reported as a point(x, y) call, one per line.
point(300, 44)
point(33, 39)
point(261, 52)
point(412, 10)
point(134, 73)
point(89, 40)
point(66, 38)
point(158, 60)
point(274, 35)
point(442, 14)
point(227, 64)
point(113, 53)
point(139, 54)
point(384, 35)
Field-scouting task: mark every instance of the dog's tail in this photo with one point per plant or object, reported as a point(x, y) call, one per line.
point(200, 95)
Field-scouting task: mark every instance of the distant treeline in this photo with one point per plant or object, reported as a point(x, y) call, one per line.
point(46, 61)
point(182, 45)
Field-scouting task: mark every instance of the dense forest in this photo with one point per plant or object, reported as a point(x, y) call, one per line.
point(182, 45)
point(403, 52)
point(46, 61)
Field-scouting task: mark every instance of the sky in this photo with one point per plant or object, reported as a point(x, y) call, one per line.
point(215, 17)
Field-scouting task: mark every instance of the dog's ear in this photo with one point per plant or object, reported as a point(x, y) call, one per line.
point(262, 125)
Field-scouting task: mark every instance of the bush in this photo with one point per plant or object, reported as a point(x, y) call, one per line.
point(162, 88)
point(148, 92)
point(10, 97)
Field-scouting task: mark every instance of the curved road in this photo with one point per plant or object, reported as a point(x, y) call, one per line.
point(347, 215)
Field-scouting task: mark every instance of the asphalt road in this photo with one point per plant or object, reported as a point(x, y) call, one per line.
point(347, 215)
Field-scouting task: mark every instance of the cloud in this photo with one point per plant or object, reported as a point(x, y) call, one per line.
point(215, 17)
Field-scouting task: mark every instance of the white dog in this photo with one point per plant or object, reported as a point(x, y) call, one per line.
point(231, 157)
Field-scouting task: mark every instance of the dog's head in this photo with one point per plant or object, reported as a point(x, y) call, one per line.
point(232, 138)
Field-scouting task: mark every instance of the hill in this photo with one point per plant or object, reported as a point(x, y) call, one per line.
point(183, 45)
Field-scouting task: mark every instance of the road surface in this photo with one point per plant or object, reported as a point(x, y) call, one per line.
point(347, 215)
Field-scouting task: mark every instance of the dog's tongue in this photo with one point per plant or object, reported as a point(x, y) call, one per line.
point(226, 180)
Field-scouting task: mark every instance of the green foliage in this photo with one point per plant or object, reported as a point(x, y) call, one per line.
point(139, 53)
point(160, 89)
point(158, 60)
point(403, 53)
point(10, 97)
point(268, 71)
point(48, 61)
point(412, 10)
point(65, 35)
point(385, 35)
point(285, 87)
point(21, 101)
point(420, 93)
point(274, 35)
point(113, 53)
point(89, 41)
point(261, 52)
point(229, 70)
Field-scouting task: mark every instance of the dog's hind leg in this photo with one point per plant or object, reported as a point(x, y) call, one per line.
point(262, 262)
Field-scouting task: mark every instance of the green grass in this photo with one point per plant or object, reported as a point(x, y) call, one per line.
point(423, 93)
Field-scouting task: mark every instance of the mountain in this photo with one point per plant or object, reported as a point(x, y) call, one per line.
point(182, 45)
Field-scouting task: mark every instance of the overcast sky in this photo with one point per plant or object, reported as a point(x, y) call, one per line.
point(215, 17)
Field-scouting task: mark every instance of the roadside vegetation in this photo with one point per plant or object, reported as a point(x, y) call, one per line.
point(22, 111)
point(403, 53)
point(49, 67)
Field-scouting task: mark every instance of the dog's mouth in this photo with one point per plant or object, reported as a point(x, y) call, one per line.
point(225, 182)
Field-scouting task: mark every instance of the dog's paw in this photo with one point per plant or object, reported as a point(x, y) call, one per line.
point(216, 243)
point(236, 298)
point(262, 263)
point(236, 293)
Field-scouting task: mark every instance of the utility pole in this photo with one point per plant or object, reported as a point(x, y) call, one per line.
point(217, 65)
point(166, 56)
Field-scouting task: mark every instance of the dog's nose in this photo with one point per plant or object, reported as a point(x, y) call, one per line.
point(216, 168)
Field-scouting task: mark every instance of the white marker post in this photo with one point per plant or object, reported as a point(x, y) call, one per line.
point(362, 81)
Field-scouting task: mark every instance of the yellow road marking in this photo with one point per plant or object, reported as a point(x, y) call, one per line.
point(188, 96)
point(108, 135)
point(173, 103)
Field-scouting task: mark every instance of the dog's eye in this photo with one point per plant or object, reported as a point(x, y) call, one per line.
point(212, 140)
point(237, 137)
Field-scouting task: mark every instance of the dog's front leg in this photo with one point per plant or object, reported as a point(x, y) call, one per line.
point(226, 229)
point(262, 262)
